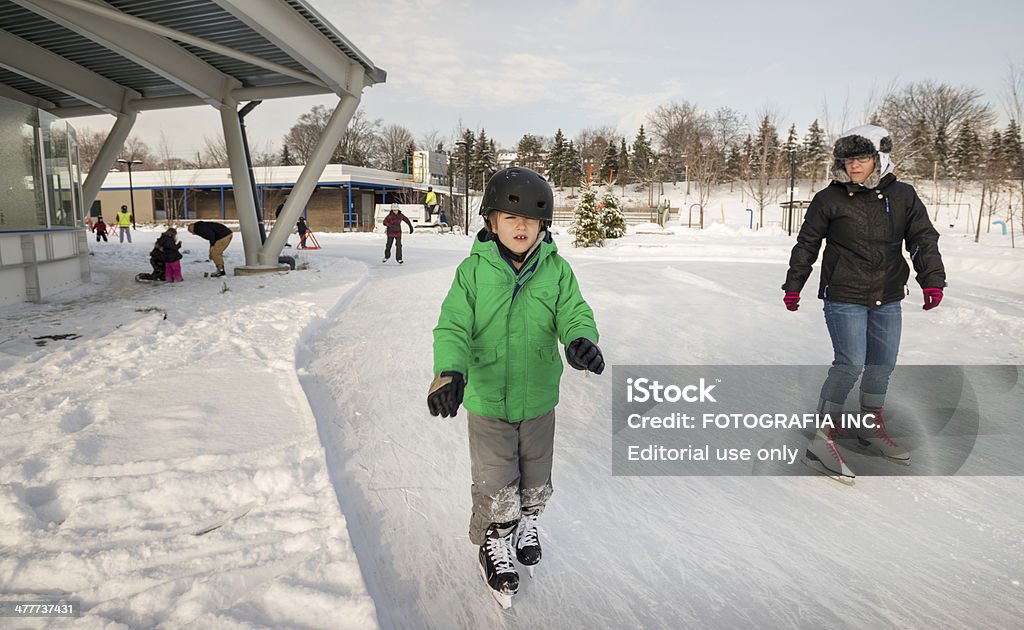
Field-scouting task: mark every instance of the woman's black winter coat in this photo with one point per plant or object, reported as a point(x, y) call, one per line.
point(865, 230)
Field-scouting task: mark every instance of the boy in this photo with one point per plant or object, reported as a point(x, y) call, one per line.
point(496, 343)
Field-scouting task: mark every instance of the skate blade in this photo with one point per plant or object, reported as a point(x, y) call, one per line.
point(817, 466)
point(530, 569)
point(877, 452)
point(504, 599)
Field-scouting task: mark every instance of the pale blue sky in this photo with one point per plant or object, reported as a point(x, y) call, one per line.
point(532, 66)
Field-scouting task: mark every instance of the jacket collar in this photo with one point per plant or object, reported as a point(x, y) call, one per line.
point(852, 188)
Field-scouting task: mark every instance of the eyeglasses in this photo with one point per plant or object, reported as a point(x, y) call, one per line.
point(860, 159)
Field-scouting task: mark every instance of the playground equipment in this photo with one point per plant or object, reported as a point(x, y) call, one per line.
point(690, 221)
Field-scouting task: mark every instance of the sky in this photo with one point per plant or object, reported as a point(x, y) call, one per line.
point(535, 67)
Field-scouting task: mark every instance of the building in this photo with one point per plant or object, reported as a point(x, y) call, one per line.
point(59, 60)
point(343, 199)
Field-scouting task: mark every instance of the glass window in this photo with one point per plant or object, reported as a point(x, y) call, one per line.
point(62, 205)
point(21, 198)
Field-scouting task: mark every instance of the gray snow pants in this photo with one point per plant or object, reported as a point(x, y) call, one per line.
point(511, 466)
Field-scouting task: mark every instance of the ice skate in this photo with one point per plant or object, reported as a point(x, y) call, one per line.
point(823, 456)
point(385, 260)
point(496, 563)
point(527, 543)
point(876, 441)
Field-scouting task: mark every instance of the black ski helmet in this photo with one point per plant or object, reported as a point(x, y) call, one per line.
point(519, 191)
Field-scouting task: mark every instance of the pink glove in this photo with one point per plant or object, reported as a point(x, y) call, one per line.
point(932, 297)
point(792, 300)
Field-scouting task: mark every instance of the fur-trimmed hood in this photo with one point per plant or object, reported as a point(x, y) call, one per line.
point(863, 140)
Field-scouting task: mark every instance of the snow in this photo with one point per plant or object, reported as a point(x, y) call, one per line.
point(287, 412)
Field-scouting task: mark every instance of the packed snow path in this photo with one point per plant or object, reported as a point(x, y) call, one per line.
point(654, 552)
point(294, 405)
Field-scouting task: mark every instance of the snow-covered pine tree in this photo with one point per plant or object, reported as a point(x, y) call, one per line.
point(612, 220)
point(586, 218)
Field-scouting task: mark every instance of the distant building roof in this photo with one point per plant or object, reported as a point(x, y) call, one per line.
point(265, 175)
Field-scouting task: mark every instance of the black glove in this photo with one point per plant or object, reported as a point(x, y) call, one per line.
point(445, 394)
point(583, 354)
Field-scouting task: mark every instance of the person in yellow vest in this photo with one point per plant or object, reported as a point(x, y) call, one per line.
point(124, 222)
point(431, 203)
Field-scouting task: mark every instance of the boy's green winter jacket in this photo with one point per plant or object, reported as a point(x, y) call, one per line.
point(501, 330)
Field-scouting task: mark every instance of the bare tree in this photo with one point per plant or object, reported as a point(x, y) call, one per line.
point(592, 144)
point(215, 152)
point(679, 128)
point(89, 144)
point(1014, 98)
point(942, 108)
point(432, 140)
point(359, 141)
point(727, 128)
point(172, 196)
point(392, 144)
point(133, 149)
point(301, 139)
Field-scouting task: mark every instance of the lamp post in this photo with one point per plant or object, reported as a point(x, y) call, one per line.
point(131, 188)
point(465, 151)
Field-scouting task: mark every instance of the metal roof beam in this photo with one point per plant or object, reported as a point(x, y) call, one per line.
point(150, 51)
point(42, 66)
point(17, 95)
point(170, 33)
point(290, 32)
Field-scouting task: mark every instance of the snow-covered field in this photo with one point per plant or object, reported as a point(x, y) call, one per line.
point(286, 415)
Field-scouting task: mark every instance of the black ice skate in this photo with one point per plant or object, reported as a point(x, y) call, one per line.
point(496, 562)
point(527, 542)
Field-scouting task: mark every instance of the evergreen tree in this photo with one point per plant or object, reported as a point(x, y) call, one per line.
point(816, 153)
point(624, 176)
point(528, 152)
point(461, 153)
point(792, 152)
point(479, 166)
point(572, 165)
point(921, 144)
point(610, 164)
point(286, 157)
point(613, 222)
point(586, 218)
point(1013, 150)
point(556, 160)
point(966, 156)
point(995, 161)
point(734, 164)
point(643, 157)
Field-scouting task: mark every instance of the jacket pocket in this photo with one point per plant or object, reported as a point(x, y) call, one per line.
point(486, 379)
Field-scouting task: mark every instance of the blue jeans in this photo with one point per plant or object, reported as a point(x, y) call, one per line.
point(864, 338)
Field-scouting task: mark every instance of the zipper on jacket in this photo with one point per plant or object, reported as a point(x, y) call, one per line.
point(508, 325)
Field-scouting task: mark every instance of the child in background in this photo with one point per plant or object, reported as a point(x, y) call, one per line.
point(496, 345)
point(170, 249)
point(101, 230)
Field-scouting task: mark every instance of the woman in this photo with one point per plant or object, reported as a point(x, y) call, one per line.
point(865, 216)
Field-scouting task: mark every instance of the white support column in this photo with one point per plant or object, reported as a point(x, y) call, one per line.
point(240, 183)
point(106, 157)
point(307, 180)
